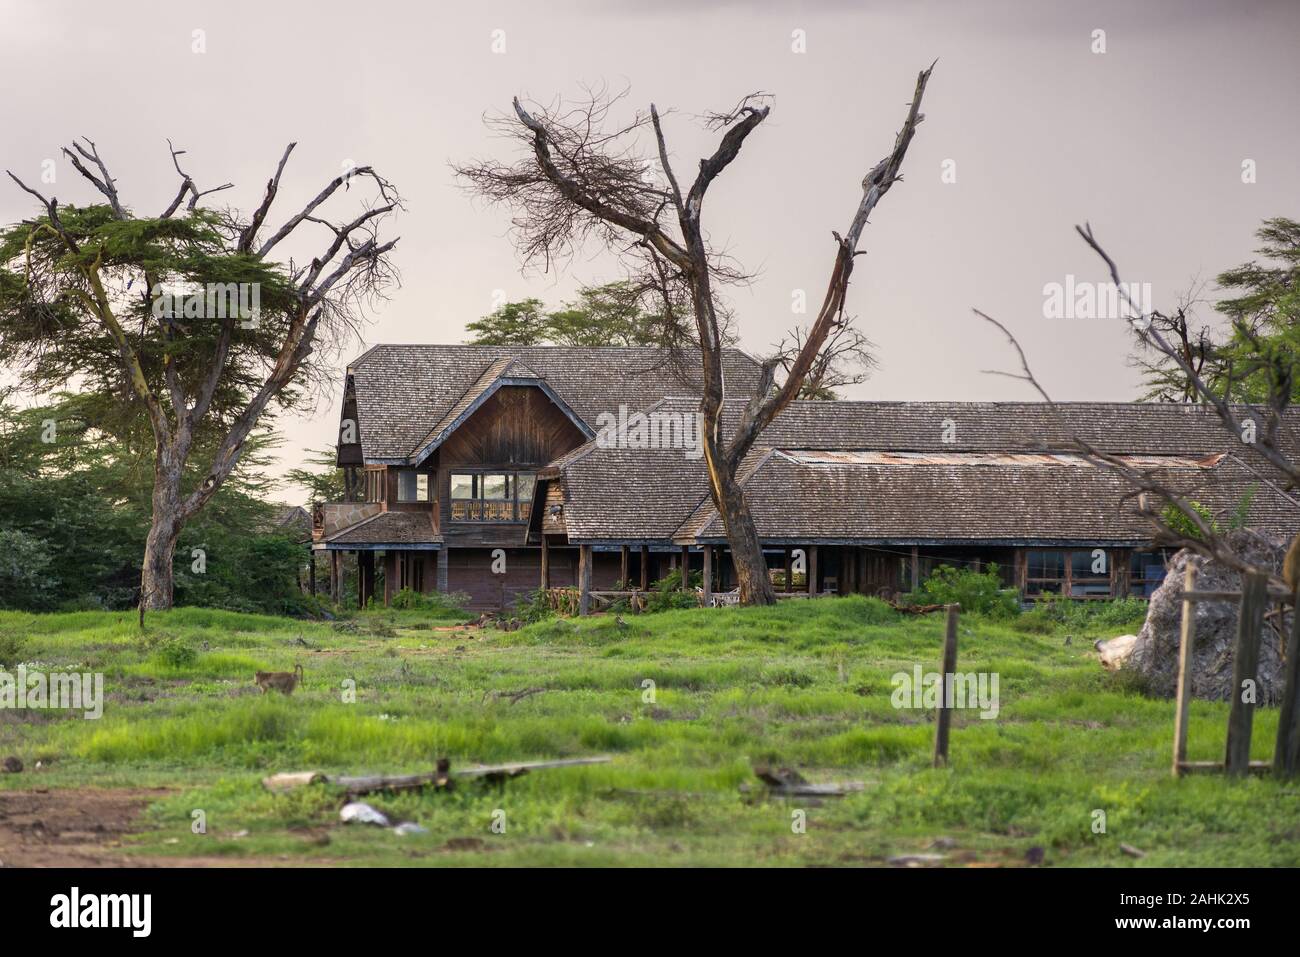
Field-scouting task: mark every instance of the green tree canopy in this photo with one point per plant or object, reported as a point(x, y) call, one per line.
point(612, 314)
point(1253, 356)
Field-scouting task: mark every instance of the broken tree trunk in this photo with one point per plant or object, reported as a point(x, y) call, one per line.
point(442, 777)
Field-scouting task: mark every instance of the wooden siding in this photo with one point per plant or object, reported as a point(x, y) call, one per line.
point(517, 429)
point(469, 570)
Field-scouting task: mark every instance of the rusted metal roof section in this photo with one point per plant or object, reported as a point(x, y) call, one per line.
point(1021, 459)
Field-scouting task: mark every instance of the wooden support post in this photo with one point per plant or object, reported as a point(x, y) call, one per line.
point(428, 575)
point(546, 565)
point(1286, 756)
point(789, 568)
point(623, 580)
point(645, 567)
point(916, 568)
point(708, 575)
point(1186, 646)
point(943, 719)
point(336, 582)
point(444, 559)
point(311, 569)
point(584, 579)
point(1245, 667)
point(390, 577)
point(686, 568)
point(365, 577)
point(812, 569)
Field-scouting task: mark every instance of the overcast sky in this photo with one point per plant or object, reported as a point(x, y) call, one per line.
point(1146, 140)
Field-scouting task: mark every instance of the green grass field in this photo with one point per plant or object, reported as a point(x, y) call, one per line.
point(806, 685)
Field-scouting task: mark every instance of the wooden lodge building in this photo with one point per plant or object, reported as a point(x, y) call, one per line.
point(493, 470)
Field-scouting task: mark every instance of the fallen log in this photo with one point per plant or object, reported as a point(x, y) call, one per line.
point(442, 777)
point(514, 697)
point(786, 782)
point(833, 789)
point(914, 609)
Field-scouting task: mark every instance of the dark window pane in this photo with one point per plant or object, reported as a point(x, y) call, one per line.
point(412, 486)
point(1046, 564)
point(1090, 564)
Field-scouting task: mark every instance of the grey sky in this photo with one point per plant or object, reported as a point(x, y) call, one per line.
point(1146, 141)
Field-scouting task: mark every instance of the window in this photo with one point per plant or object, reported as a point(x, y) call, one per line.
point(412, 486)
point(1146, 570)
point(1045, 574)
point(491, 496)
point(1077, 574)
point(1090, 574)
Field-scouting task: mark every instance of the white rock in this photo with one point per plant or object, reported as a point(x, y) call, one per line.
point(359, 813)
point(1115, 651)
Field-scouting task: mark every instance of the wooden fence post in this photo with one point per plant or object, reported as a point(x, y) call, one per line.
point(946, 686)
point(1186, 641)
point(1245, 667)
point(1286, 756)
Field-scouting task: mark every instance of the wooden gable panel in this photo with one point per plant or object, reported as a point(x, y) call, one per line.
point(517, 426)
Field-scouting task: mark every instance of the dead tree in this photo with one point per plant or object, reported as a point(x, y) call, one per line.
point(1261, 437)
point(583, 179)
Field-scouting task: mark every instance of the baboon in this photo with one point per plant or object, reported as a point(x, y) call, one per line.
point(283, 681)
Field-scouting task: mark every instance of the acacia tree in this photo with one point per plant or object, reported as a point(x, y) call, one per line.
point(188, 317)
point(1262, 333)
point(581, 178)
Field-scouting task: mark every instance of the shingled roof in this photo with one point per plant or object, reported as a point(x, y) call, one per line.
point(1019, 500)
point(404, 529)
point(883, 472)
point(407, 394)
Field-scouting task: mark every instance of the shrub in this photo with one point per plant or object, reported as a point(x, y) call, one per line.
point(175, 653)
point(1180, 524)
point(1120, 613)
point(443, 605)
point(533, 607)
point(11, 648)
point(666, 593)
point(980, 591)
point(25, 578)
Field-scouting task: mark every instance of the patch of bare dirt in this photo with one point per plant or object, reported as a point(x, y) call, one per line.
point(87, 827)
point(77, 828)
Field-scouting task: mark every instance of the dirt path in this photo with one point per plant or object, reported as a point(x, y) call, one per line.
point(78, 828)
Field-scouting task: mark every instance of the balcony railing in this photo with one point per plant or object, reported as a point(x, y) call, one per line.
point(489, 510)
